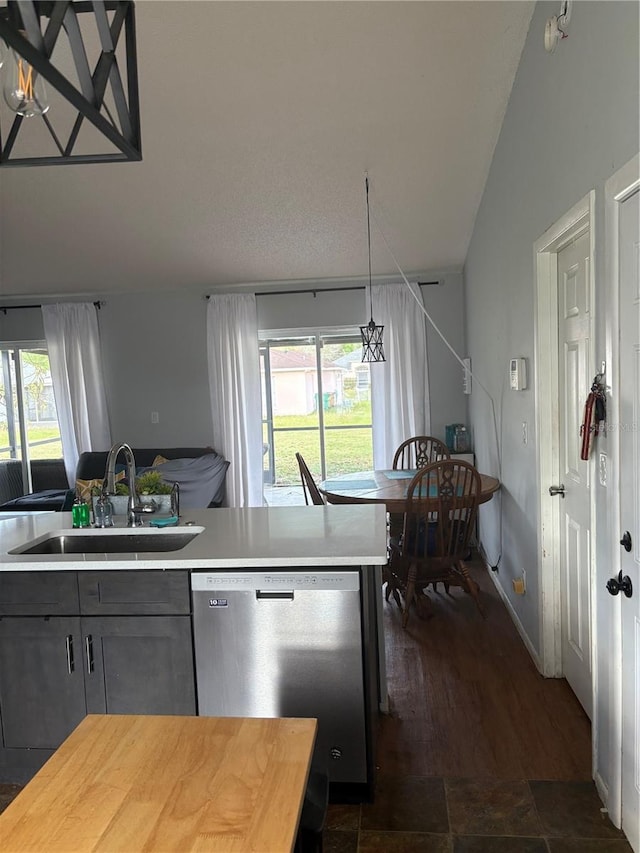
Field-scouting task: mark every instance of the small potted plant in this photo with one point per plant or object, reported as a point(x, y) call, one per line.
point(150, 488)
point(152, 483)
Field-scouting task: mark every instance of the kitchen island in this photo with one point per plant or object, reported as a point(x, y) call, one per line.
point(113, 632)
point(258, 537)
point(171, 784)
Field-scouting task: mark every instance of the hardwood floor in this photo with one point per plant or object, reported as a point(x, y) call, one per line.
point(480, 753)
point(466, 699)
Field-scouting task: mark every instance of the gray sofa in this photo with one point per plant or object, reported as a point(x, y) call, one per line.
point(47, 476)
point(200, 472)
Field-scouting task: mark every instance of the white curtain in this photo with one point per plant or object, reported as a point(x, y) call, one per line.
point(73, 341)
point(399, 385)
point(234, 380)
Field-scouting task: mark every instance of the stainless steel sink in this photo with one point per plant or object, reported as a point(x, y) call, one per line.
point(113, 541)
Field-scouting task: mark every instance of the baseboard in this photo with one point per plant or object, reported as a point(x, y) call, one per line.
point(603, 792)
point(512, 613)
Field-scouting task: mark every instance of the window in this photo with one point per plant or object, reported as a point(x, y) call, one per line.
point(316, 401)
point(29, 427)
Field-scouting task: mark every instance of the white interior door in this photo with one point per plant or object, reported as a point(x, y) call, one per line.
point(629, 476)
point(574, 382)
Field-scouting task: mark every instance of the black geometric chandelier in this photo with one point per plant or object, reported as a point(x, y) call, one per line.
point(70, 83)
point(372, 349)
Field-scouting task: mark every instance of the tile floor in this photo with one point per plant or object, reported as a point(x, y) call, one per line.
point(422, 814)
point(7, 793)
point(419, 814)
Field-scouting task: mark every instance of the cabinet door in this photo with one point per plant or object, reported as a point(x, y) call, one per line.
point(138, 665)
point(134, 593)
point(41, 681)
point(38, 594)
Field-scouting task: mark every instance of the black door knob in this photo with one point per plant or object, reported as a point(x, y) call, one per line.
point(620, 584)
point(626, 541)
point(626, 587)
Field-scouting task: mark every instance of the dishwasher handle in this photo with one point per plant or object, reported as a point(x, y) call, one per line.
point(273, 594)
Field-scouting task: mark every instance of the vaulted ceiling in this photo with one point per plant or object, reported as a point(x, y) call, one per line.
point(259, 122)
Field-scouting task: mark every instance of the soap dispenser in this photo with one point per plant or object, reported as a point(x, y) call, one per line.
point(80, 514)
point(103, 511)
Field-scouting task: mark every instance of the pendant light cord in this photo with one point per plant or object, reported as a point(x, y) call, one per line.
point(366, 183)
point(496, 432)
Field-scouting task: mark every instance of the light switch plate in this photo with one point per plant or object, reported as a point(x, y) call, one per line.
point(602, 469)
point(466, 376)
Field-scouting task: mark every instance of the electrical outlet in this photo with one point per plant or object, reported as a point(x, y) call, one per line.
point(520, 584)
point(155, 418)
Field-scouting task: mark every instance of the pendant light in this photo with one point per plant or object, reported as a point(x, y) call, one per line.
point(23, 88)
point(86, 52)
point(372, 349)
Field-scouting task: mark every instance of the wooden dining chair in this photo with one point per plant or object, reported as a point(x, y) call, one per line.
point(309, 487)
point(418, 451)
point(440, 514)
point(415, 452)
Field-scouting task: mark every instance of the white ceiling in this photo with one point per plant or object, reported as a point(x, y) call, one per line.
point(259, 121)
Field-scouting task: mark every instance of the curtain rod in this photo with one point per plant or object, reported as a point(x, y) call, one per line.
point(317, 290)
point(5, 308)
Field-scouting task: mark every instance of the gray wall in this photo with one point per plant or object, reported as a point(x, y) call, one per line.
point(20, 324)
point(445, 305)
point(155, 354)
point(571, 122)
point(155, 360)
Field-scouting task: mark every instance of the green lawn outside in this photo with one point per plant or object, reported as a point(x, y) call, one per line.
point(39, 451)
point(347, 450)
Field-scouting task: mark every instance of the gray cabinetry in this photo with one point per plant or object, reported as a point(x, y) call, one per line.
point(38, 593)
point(41, 682)
point(138, 665)
point(138, 593)
point(88, 642)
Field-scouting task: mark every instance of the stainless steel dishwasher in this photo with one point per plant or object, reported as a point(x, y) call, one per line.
point(288, 644)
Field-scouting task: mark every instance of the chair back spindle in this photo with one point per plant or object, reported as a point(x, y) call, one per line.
point(311, 493)
point(419, 451)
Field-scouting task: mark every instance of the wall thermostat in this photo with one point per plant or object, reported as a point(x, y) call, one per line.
point(517, 374)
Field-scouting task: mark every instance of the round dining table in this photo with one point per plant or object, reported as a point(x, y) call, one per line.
point(387, 487)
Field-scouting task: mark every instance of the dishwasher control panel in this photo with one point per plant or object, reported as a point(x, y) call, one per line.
point(276, 580)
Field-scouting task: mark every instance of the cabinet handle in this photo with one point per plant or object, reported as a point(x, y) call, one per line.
point(69, 645)
point(270, 595)
point(88, 641)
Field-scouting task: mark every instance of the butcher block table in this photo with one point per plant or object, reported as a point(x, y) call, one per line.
point(134, 783)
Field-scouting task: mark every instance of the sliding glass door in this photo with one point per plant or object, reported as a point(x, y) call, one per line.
point(29, 426)
point(316, 400)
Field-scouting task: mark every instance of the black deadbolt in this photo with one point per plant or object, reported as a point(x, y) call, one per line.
point(613, 587)
point(626, 541)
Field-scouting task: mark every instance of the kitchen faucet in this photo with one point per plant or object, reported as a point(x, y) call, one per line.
point(175, 500)
point(109, 484)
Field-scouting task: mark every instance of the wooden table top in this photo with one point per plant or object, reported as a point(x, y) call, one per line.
point(145, 783)
point(386, 487)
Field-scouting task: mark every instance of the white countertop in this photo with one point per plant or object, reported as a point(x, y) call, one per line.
point(340, 535)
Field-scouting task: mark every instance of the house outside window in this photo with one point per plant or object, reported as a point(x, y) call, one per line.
point(316, 401)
